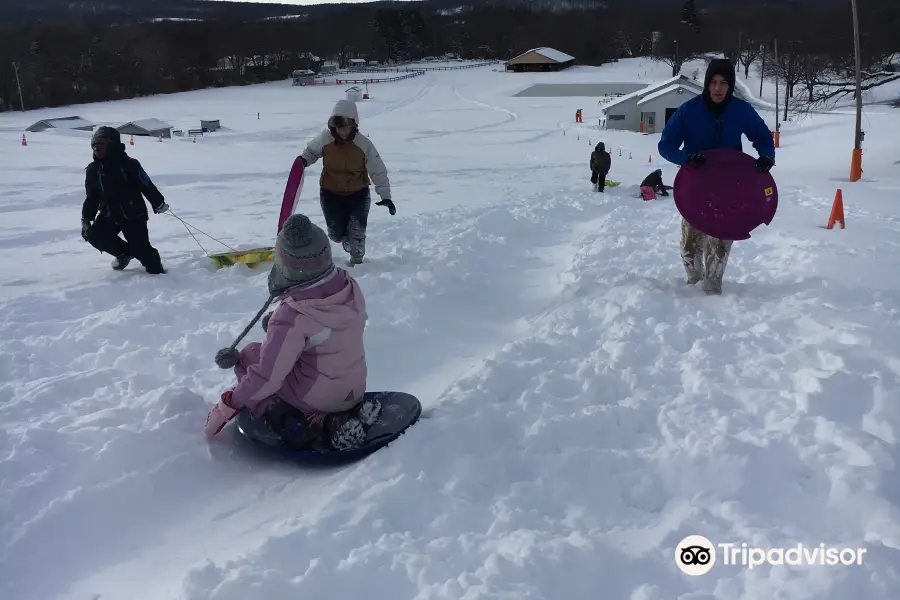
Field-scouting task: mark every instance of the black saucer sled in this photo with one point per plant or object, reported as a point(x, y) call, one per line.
point(399, 411)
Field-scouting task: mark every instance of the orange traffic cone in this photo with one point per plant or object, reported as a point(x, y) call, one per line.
point(650, 158)
point(837, 211)
point(131, 142)
point(24, 143)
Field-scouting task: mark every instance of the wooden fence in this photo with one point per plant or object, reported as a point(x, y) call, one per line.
point(410, 73)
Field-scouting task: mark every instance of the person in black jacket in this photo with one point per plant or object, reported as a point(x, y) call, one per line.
point(601, 162)
point(654, 181)
point(115, 186)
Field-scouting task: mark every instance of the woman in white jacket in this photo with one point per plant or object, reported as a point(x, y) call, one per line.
point(349, 161)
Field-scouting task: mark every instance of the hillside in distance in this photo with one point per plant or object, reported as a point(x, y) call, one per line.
point(16, 12)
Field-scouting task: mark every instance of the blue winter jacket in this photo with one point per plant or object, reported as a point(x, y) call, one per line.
point(694, 125)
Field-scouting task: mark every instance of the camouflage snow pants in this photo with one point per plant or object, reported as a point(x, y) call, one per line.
point(704, 257)
point(346, 217)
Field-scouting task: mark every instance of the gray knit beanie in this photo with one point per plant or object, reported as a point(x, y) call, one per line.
point(302, 255)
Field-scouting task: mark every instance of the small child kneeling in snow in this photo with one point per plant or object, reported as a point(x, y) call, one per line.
point(653, 184)
point(308, 376)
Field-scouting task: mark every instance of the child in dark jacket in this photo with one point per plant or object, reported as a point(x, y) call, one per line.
point(653, 184)
point(601, 162)
point(115, 186)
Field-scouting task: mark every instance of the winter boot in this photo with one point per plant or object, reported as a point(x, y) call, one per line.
point(347, 432)
point(349, 429)
point(368, 411)
point(121, 262)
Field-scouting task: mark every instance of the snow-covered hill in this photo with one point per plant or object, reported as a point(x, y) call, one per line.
point(585, 410)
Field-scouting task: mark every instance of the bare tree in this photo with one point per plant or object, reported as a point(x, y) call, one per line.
point(751, 51)
point(675, 48)
point(787, 70)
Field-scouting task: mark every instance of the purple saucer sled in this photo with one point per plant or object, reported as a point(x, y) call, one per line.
point(726, 198)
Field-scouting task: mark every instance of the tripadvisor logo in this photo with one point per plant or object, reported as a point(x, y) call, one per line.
point(695, 555)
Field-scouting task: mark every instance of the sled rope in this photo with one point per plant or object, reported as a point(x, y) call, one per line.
point(253, 322)
point(186, 225)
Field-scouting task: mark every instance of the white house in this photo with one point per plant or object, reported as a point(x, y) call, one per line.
point(652, 106)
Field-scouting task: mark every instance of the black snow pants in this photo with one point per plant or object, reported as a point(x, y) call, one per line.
point(599, 180)
point(346, 217)
point(104, 236)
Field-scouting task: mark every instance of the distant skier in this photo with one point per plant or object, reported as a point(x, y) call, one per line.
point(714, 120)
point(350, 159)
point(308, 376)
point(600, 163)
point(653, 184)
point(115, 186)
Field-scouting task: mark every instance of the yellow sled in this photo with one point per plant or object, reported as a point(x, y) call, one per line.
point(252, 257)
point(610, 183)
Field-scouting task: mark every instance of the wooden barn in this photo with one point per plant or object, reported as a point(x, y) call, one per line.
point(540, 60)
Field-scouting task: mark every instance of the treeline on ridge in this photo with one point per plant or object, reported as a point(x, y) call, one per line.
point(86, 60)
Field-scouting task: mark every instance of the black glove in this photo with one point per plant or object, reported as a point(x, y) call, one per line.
point(265, 321)
point(697, 159)
point(303, 160)
point(85, 228)
point(161, 208)
point(764, 164)
point(387, 202)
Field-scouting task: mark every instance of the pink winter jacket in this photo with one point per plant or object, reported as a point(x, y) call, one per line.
point(313, 355)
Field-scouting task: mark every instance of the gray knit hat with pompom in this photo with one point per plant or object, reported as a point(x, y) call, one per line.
point(302, 255)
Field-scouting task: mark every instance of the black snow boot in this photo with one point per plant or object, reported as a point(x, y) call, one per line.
point(121, 262)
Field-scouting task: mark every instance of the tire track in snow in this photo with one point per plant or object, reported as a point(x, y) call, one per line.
point(511, 116)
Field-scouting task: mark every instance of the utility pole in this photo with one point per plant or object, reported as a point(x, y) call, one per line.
point(777, 123)
point(856, 160)
point(674, 70)
point(19, 85)
point(762, 70)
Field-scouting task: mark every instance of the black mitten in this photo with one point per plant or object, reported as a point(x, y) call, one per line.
point(85, 228)
point(697, 159)
point(764, 164)
point(387, 202)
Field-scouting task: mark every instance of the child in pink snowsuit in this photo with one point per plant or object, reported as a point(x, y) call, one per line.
point(308, 376)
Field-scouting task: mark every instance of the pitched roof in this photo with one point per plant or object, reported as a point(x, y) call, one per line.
point(677, 80)
point(66, 122)
point(551, 53)
point(146, 124)
point(667, 90)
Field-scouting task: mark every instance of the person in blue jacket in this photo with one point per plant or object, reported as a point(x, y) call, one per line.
point(714, 120)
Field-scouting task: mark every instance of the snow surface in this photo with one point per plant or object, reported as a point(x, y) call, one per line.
point(585, 410)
